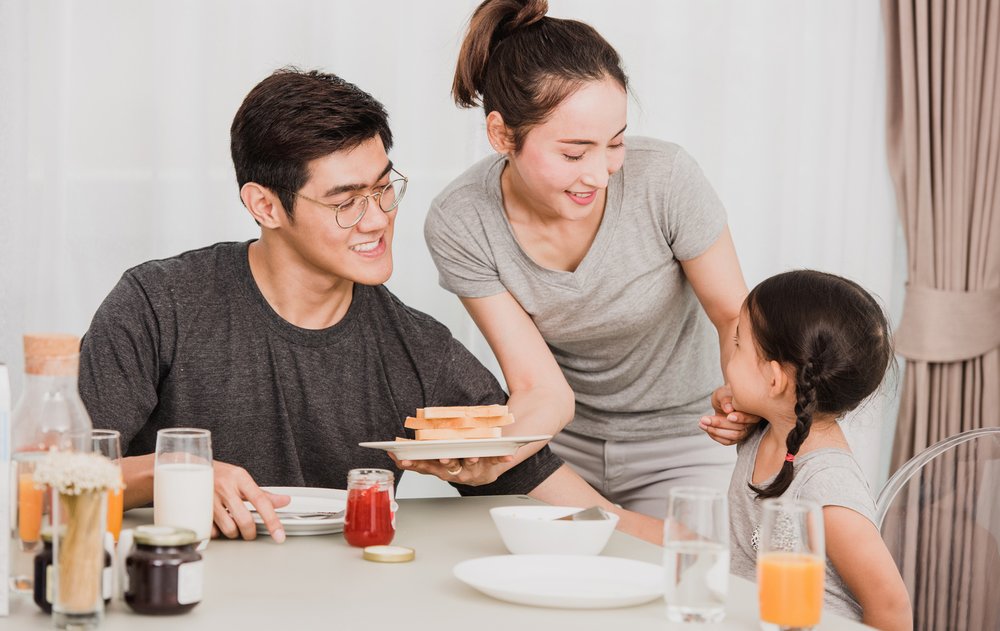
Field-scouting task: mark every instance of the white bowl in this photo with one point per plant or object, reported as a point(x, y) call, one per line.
point(536, 530)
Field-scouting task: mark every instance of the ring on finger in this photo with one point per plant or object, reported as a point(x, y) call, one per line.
point(455, 471)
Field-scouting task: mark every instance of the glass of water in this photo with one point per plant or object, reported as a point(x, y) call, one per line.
point(696, 554)
point(183, 480)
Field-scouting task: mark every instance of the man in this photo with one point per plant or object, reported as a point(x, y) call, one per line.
point(289, 348)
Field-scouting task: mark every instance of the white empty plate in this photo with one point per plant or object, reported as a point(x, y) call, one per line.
point(569, 582)
point(464, 448)
point(304, 500)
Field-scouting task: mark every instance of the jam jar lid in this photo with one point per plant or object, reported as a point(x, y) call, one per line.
point(150, 535)
point(388, 554)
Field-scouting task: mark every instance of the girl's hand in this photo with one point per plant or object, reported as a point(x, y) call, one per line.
point(471, 471)
point(727, 426)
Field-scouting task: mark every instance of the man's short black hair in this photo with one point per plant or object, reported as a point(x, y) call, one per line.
point(293, 117)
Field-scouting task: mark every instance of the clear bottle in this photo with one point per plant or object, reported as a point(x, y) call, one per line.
point(49, 414)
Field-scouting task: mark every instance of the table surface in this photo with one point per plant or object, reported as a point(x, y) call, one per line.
point(307, 582)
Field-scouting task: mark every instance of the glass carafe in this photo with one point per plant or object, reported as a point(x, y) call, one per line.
point(49, 414)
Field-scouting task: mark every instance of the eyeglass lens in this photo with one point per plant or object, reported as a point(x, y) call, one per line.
point(350, 212)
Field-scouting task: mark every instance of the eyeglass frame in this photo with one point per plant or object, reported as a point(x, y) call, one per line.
point(377, 195)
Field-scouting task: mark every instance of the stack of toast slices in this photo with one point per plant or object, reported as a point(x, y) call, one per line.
point(459, 422)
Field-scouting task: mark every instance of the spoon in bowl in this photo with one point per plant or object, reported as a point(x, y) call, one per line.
point(587, 514)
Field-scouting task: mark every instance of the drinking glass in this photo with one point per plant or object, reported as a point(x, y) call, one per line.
point(790, 565)
point(107, 442)
point(183, 482)
point(696, 554)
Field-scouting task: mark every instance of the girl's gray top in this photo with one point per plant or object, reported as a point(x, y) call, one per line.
point(828, 477)
point(631, 337)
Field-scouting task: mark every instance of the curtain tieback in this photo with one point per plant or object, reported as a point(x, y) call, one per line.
point(947, 326)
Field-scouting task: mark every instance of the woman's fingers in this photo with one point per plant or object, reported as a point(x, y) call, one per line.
point(722, 399)
point(471, 471)
point(722, 430)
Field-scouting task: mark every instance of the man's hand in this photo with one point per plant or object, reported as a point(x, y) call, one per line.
point(727, 426)
point(233, 485)
point(471, 471)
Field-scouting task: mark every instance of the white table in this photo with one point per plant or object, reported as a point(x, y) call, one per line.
point(322, 583)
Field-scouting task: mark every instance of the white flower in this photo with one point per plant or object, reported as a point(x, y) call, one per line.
point(73, 472)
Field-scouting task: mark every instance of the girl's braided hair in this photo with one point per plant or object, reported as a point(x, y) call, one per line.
point(833, 334)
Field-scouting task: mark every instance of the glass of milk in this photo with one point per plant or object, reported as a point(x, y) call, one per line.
point(183, 484)
point(696, 554)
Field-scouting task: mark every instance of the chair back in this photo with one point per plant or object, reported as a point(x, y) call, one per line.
point(939, 515)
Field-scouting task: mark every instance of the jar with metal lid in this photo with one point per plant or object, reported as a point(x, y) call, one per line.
point(163, 571)
point(42, 588)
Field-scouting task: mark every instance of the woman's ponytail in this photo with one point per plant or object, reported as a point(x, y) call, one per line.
point(521, 64)
point(491, 22)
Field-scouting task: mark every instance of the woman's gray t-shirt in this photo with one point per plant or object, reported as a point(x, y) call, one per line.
point(625, 327)
point(827, 477)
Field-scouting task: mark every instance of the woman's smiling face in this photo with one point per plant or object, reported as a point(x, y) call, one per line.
point(563, 165)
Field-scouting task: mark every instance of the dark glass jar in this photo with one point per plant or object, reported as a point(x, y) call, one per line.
point(163, 571)
point(42, 590)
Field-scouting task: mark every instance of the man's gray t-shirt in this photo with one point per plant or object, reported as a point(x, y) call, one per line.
point(827, 477)
point(191, 341)
point(625, 327)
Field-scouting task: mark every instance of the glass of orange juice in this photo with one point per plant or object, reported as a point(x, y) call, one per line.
point(30, 507)
point(107, 442)
point(791, 564)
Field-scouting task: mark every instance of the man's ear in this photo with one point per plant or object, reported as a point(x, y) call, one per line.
point(263, 204)
point(498, 133)
point(780, 381)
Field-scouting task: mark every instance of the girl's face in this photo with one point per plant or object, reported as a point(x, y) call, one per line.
point(564, 164)
point(750, 375)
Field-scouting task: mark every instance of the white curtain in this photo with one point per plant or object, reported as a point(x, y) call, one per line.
point(115, 114)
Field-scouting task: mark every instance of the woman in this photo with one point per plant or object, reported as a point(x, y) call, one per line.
point(590, 268)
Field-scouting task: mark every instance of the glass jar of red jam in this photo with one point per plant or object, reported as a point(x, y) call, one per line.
point(163, 571)
point(371, 511)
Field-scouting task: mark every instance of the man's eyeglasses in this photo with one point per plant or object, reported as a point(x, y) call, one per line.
point(350, 212)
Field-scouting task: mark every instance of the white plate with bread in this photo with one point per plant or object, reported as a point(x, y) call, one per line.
point(460, 448)
point(461, 431)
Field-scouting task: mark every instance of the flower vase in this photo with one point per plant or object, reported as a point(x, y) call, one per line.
point(78, 559)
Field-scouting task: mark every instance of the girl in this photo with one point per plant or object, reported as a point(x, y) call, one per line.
point(809, 347)
point(589, 267)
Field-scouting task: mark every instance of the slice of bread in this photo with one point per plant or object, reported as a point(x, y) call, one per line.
point(459, 411)
point(456, 434)
point(486, 411)
point(458, 422)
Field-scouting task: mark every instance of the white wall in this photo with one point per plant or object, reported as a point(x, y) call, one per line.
point(114, 120)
